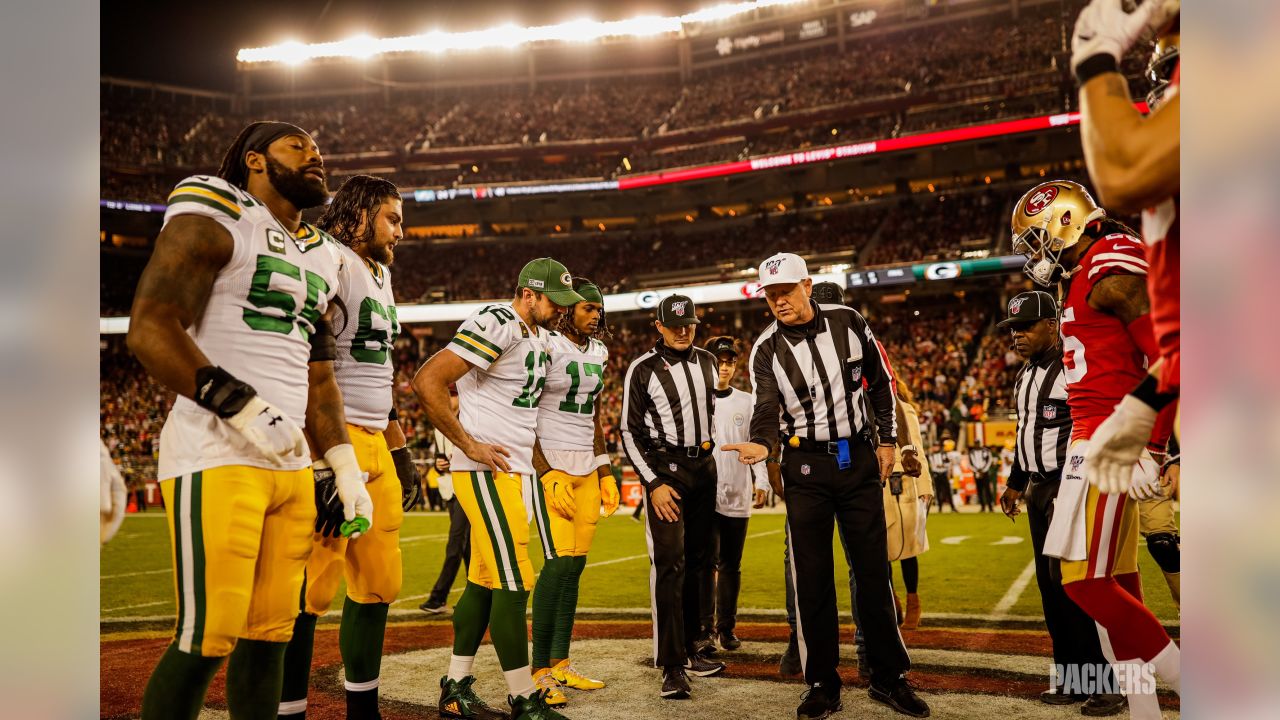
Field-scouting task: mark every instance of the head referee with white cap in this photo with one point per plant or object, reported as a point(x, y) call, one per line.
point(823, 393)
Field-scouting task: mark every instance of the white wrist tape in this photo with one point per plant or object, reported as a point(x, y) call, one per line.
point(342, 458)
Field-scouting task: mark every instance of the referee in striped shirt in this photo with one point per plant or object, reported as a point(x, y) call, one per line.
point(1044, 429)
point(823, 393)
point(667, 405)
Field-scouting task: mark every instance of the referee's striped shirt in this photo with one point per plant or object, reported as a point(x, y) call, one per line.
point(667, 400)
point(1044, 421)
point(809, 380)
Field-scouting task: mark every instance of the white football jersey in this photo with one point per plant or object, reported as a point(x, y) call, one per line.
point(735, 482)
point(256, 325)
point(364, 367)
point(498, 398)
point(566, 415)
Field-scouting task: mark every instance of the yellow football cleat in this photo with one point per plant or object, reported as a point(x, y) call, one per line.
point(544, 680)
point(566, 675)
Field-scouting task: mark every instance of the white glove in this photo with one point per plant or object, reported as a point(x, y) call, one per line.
point(1117, 444)
point(350, 481)
point(1146, 479)
point(1104, 27)
point(270, 430)
point(114, 497)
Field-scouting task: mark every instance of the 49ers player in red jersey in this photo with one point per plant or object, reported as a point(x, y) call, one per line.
point(1107, 339)
point(1134, 163)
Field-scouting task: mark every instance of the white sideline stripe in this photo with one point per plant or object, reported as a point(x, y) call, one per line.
point(1014, 592)
point(141, 605)
point(417, 538)
point(134, 574)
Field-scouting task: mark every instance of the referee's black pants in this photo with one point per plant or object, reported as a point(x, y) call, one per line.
point(1073, 632)
point(677, 554)
point(818, 495)
point(986, 491)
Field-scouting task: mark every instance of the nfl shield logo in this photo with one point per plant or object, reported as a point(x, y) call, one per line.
point(672, 466)
point(1015, 305)
point(1049, 412)
point(855, 375)
point(772, 266)
point(678, 308)
point(804, 469)
point(1076, 462)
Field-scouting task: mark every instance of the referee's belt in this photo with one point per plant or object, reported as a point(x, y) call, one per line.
point(693, 451)
point(822, 447)
point(1054, 476)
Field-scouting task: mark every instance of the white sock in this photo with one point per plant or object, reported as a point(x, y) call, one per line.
point(460, 667)
point(1168, 666)
point(520, 681)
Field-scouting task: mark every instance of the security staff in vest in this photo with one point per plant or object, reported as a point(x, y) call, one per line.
point(667, 428)
point(809, 368)
point(1043, 431)
point(980, 459)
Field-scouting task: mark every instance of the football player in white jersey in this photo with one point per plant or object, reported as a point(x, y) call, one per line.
point(232, 314)
point(498, 360)
point(365, 217)
point(575, 483)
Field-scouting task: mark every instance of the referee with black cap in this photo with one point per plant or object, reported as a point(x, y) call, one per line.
point(667, 415)
point(1044, 430)
point(823, 392)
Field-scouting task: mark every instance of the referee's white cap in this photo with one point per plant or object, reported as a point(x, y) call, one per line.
point(783, 268)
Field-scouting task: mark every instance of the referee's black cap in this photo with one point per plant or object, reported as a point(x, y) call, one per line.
point(828, 293)
point(1028, 308)
point(677, 310)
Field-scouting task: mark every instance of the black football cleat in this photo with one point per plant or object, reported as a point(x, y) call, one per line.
point(818, 702)
point(1049, 697)
point(729, 641)
point(675, 684)
point(790, 666)
point(459, 700)
point(900, 696)
point(1102, 705)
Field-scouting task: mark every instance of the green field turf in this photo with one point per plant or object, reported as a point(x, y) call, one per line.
point(969, 577)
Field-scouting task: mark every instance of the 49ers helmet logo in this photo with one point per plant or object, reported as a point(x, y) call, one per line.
point(1041, 200)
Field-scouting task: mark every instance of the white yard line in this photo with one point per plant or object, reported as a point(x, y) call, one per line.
point(1014, 592)
point(133, 574)
point(140, 605)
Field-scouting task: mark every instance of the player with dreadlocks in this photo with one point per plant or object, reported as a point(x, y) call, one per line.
point(569, 458)
point(365, 217)
point(232, 313)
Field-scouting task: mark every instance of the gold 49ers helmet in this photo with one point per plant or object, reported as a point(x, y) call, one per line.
point(1050, 218)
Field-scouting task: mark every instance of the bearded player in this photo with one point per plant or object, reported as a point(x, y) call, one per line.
point(1134, 163)
point(576, 482)
point(1107, 338)
point(365, 216)
point(232, 314)
point(498, 360)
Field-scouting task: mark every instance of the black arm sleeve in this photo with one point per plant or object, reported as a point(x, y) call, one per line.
point(764, 416)
point(879, 384)
point(1018, 475)
point(323, 345)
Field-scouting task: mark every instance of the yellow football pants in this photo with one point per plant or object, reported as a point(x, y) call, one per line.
point(371, 563)
point(562, 537)
point(494, 504)
point(240, 537)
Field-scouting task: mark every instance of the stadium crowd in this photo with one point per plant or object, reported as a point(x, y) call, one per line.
point(976, 70)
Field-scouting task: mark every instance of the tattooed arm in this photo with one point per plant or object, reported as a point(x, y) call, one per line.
point(171, 295)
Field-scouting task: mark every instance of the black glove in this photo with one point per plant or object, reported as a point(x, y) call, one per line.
point(410, 488)
point(329, 515)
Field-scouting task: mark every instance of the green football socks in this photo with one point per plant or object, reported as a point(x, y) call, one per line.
point(255, 674)
point(178, 684)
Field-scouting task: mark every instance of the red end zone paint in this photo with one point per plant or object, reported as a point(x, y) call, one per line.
point(837, 152)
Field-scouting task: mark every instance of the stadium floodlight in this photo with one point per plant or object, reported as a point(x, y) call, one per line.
point(503, 36)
